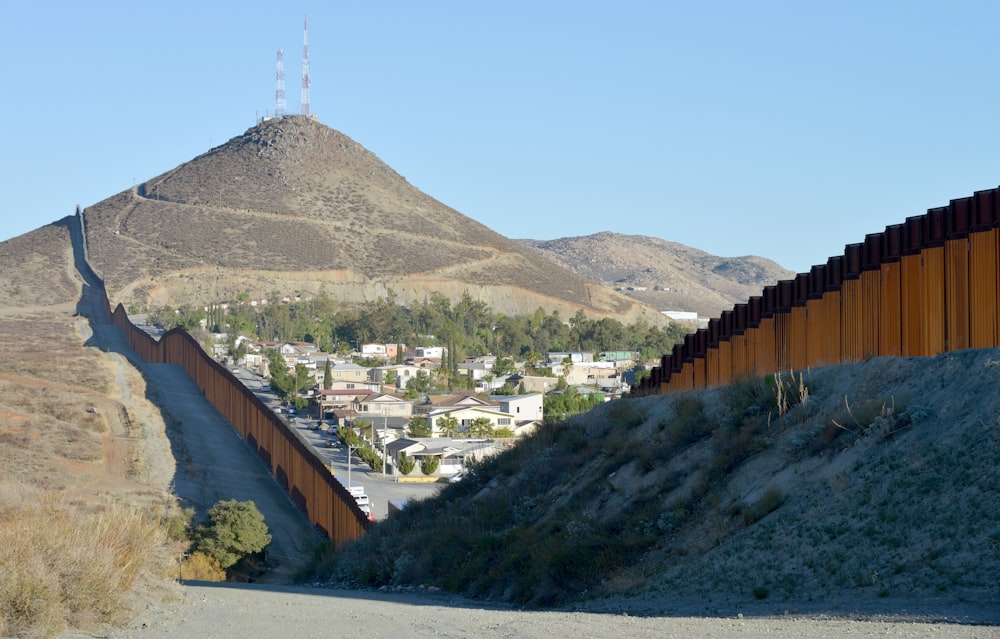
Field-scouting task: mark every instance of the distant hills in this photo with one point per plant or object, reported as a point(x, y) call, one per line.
point(667, 275)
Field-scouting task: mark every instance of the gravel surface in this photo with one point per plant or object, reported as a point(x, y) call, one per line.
point(259, 612)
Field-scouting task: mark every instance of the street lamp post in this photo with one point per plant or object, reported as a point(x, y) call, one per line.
point(385, 435)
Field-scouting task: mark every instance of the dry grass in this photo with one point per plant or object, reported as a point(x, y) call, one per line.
point(305, 201)
point(68, 567)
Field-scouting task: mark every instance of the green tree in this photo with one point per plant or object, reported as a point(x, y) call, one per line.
point(303, 378)
point(406, 464)
point(418, 427)
point(449, 425)
point(429, 465)
point(481, 427)
point(231, 531)
point(281, 380)
point(503, 367)
point(327, 375)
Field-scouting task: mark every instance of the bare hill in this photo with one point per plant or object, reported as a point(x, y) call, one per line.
point(866, 487)
point(675, 277)
point(292, 205)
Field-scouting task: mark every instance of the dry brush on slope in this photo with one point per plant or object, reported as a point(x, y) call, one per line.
point(876, 488)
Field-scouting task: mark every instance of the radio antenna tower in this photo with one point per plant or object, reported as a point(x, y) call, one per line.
point(304, 104)
point(279, 89)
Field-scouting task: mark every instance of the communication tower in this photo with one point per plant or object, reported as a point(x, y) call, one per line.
point(279, 89)
point(304, 104)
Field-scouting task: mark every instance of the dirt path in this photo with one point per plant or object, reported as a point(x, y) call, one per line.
point(260, 612)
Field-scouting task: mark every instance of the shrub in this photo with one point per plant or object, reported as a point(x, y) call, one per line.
point(232, 530)
point(406, 464)
point(179, 525)
point(429, 465)
point(200, 567)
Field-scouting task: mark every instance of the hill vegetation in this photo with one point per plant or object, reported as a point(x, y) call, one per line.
point(869, 485)
point(467, 328)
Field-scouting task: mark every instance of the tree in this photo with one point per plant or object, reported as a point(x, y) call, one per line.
point(303, 378)
point(503, 367)
point(406, 464)
point(327, 375)
point(282, 381)
point(449, 425)
point(231, 531)
point(481, 427)
point(418, 427)
point(429, 465)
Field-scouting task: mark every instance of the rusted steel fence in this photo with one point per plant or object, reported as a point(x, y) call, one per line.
point(297, 467)
point(921, 288)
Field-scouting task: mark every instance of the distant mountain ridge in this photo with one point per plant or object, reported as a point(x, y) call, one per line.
point(293, 205)
point(674, 276)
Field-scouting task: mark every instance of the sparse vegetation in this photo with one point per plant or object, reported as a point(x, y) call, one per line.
point(67, 566)
point(710, 493)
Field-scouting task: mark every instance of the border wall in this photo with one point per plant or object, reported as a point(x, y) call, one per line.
point(300, 471)
point(296, 466)
point(921, 288)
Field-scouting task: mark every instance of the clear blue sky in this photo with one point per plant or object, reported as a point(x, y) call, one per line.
point(780, 129)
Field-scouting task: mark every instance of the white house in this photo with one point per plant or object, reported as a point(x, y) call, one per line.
point(464, 415)
point(436, 352)
point(521, 407)
point(452, 453)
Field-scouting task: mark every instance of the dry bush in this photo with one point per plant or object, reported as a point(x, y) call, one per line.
point(62, 566)
point(201, 567)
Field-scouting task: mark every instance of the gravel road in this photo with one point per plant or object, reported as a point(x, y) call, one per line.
point(262, 612)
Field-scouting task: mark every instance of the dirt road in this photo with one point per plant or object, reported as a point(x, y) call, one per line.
point(263, 612)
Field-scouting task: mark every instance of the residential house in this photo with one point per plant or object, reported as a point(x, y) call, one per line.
point(452, 453)
point(424, 363)
point(378, 405)
point(575, 357)
point(432, 352)
point(521, 407)
point(431, 402)
point(403, 373)
point(348, 372)
point(348, 385)
point(538, 384)
point(598, 374)
point(464, 415)
point(478, 367)
point(339, 404)
point(373, 350)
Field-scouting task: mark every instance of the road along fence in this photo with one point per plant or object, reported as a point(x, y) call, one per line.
point(298, 468)
point(920, 288)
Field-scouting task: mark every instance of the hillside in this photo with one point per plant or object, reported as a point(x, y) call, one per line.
point(868, 487)
point(294, 206)
point(676, 277)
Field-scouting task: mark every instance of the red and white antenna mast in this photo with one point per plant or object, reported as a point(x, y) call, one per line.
point(304, 104)
point(279, 89)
